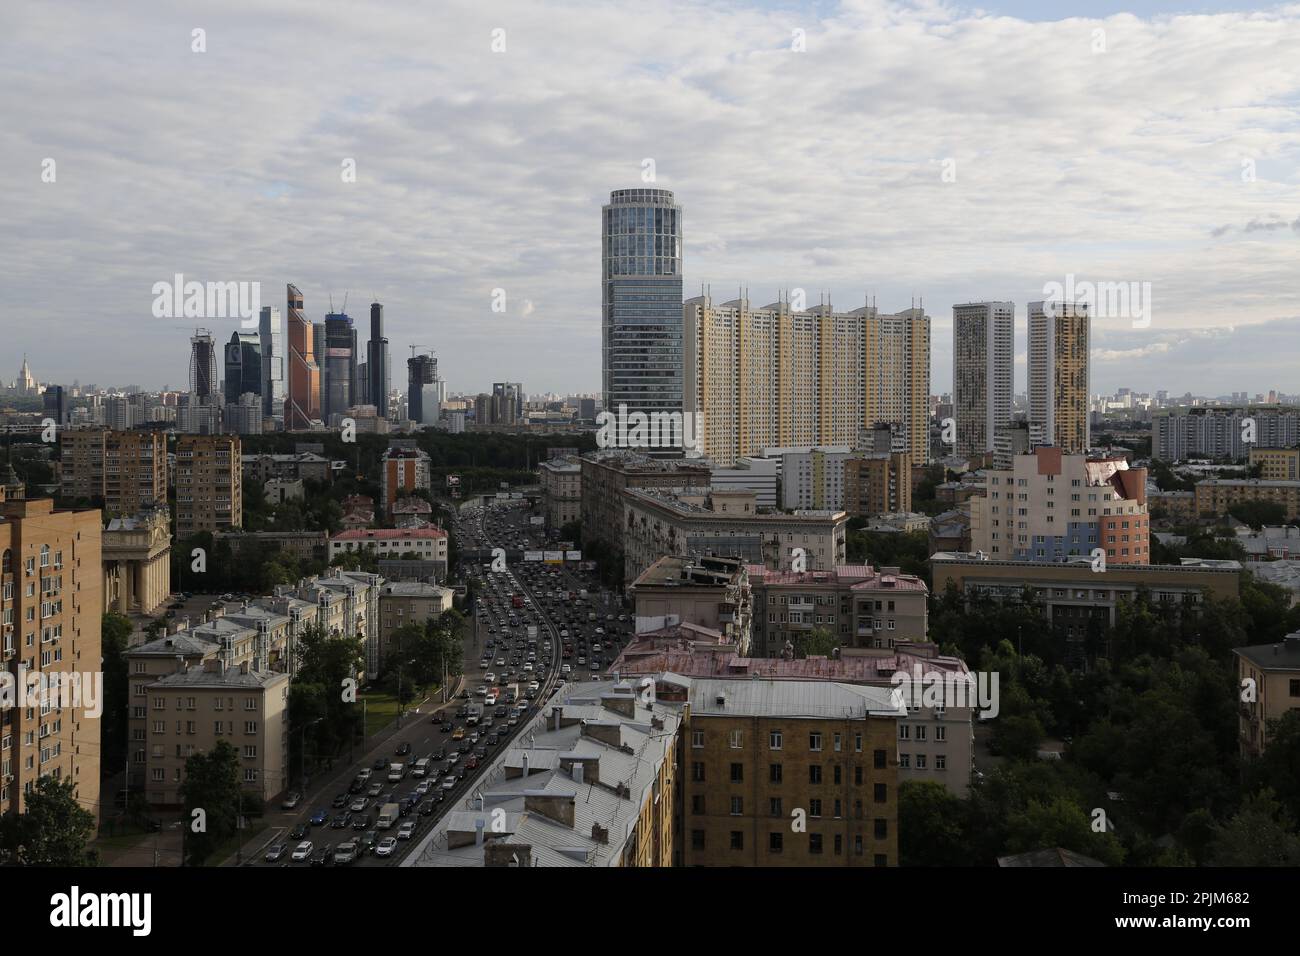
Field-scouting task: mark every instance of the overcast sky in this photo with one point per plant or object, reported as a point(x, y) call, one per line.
point(937, 150)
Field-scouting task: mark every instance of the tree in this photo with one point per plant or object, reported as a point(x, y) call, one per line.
point(1278, 768)
point(1018, 737)
point(1261, 833)
point(115, 635)
point(931, 826)
point(54, 831)
point(817, 642)
point(211, 786)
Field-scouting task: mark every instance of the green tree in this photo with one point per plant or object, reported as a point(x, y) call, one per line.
point(1261, 833)
point(115, 635)
point(211, 786)
point(55, 830)
point(816, 642)
point(931, 826)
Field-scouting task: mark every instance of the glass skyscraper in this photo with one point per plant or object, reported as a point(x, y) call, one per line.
point(641, 301)
point(270, 330)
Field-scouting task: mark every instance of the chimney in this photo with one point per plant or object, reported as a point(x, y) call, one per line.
point(576, 771)
point(556, 713)
point(525, 763)
point(556, 806)
point(599, 834)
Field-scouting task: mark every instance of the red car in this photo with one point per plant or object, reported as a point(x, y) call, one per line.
point(471, 763)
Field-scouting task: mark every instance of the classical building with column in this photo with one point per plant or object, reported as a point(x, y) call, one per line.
point(137, 563)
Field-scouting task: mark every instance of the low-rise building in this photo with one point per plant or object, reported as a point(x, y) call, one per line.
point(408, 602)
point(427, 543)
point(306, 545)
point(1273, 673)
point(280, 490)
point(302, 466)
point(1276, 464)
point(711, 592)
point(1214, 496)
point(136, 552)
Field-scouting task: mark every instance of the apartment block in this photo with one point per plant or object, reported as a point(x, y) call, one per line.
point(606, 475)
point(982, 373)
point(657, 522)
point(402, 470)
point(1058, 375)
point(812, 477)
point(878, 484)
point(561, 480)
point(427, 543)
point(1214, 496)
point(862, 606)
point(778, 376)
point(408, 602)
point(1273, 671)
point(209, 484)
point(591, 780)
point(127, 470)
point(710, 592)
point(760, 754)
point(1276, 464)
point(1220, 431)
point(1056, 507)
point(51, 602)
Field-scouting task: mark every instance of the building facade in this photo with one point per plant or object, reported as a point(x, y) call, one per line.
point(1058, 375)
point(209, 484)
point(302, 395)
point(982, 372)
point(877, 484)
point(606, 475)
point(561, 481)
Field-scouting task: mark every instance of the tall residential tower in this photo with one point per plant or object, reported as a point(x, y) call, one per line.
point(983, 337)
point(1058, 376)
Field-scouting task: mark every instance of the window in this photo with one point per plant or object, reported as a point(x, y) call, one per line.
point(836, 742)
point(697, 804)
point(737, 806)
point(839, 844)
point(815, 742)
point(774, 773)
point(737, 773)
point(697, 739)
point(774, 740)
point(814, 808)
point(774, 842)
point(814, 773)
point(774, 807)
point(697, 839)
point(737, 840)
point(881, 860)
point(857, 743)
point(880, 792)
point(904, 732)
point(857, 775)
point(736, 739)
point(881, 828)
point(815, 844)
point(697, 772)
point(879, 759)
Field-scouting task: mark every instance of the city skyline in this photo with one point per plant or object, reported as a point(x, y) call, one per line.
point(1079, 181)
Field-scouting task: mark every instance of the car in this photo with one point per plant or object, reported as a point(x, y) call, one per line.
point(464, 747)
point(341, 822)
point(375, 789)
point(471, 763)
point(459, 734)
point(386, 846)
point(427, 806)
point(381, 763)
point(356, 786)
point(499, 712)
point(323, 855)
point(319, 818)
point(302, 851)
point(474, 738)
point(291, 801)
point(368, 839)
point(406, 830)
point(364, 774)
point(424, 787)
point(480, 751)
point(299, 832)
point(403, 749)
point(448, 726)
point(480, 691)
point(565, 669)
point(490, 678)
point(275, 853)
point(595, 665)
point(359, 804)
point(440, 753)
point(491, 740)
point(346, 853)
point(340, 801)
point(449, 782)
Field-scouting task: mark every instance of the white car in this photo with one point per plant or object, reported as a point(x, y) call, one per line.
point(385, 847)
point(565, 669)
point(534, 686)
point(406, 830)
point(302, 851)
point(449, 783)
point(490, 678)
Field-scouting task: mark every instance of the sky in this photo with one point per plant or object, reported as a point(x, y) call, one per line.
point(946, 152)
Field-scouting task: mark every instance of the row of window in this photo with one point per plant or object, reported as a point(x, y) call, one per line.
point(776, 741)
point(776, 844)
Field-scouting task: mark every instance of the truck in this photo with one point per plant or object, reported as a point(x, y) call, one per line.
point(474, 713)
point(388, 815)
point(532, 632)
point(396, 772)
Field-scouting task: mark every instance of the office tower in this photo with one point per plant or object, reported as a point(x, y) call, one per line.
point(50, 630)
point(56, 404)
point(983, 346)
point(209, 484)
point(203, 368)
point(507, 403)
point(302, 398)
point(1058, 375)
point(377, 366)
point(421, 370)
point(243, 366)
point(778, 377)
point(338, 379)
point(270, 329)
point(641, 302)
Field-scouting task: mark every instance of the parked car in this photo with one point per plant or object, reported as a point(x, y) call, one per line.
point(291, 801)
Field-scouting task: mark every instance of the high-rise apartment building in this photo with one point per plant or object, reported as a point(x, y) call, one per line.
point(1221, 431)
point(51, 607)
point(126, 470)
point(377, 365)
point(270, 330)
point(1055, 507)
point(302, 398)
point(641, 301)
point(781, 377)
point(877, 483)
point(983, 336)
point(401, 470)
point(1058, 375)
point(209, 484)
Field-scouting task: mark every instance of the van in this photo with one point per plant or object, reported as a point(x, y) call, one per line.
point(388, 815)
point(396, 772)
point(421, 767)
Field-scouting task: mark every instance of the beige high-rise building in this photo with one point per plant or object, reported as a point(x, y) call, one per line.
point(126, 469)
point(209, 484)
point(1058, 376)
point(983, 337)
point(51, 606)
point(780, 377)
point(877, 484)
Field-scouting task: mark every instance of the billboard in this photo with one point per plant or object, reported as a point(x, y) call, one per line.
point(532, 555)
point(554, 557)
point(537, 519)
point(572, 555)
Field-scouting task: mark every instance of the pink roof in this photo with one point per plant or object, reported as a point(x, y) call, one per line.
point(388, 534)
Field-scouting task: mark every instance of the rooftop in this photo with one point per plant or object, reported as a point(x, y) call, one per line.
point(389, 534)
point(793, 698)
point(1281, 655)
point(857, 576)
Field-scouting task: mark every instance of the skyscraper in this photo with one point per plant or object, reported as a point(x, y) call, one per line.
point(338, 382)
point(641, 301)
point(56, 404)
point(271, 332)
point(983, 340)
point(421, 370)
point(243, 366)
point(203, 368)
point(1058, 376)
point(302, 399)
point(377, 362)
